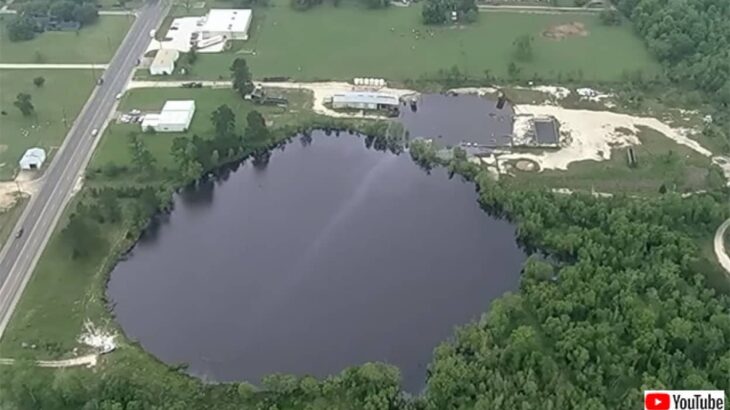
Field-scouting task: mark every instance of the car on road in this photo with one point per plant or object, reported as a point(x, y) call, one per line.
point(100, 81)
point(118, 96)
point(94, 132)
point(19, 233)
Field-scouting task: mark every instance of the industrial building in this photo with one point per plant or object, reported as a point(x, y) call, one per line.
point(33, 159)
point(175, 116)
point(365, 101)
point(164, 62)
point(232, 24)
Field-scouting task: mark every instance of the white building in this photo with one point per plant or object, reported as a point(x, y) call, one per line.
point(175, 116)
point(33, 159)
point(209, 33)
point(164, 62)
point(365, 100)
point(231, 24)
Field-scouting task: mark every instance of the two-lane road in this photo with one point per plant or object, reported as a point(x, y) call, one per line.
point(20, 255)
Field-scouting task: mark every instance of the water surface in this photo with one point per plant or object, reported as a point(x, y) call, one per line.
point(332, 256)
point(454, 119)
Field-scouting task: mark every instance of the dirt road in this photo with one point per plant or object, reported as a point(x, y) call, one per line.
point(719, 245)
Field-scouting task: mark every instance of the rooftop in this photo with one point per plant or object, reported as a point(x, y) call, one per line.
point(166, 57)
point(178, 105)
point(35, 153)
point(219, 20)
point(366, 98)
point(546, 131)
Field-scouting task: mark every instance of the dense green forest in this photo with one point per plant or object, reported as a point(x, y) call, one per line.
point(692, 37)
point(617, 306)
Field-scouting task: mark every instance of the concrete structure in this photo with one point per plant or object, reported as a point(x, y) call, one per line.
point(365, 101)
point(33, 159)
point(209, 33)
point(164, 62)
point(546, 131)
point(175, 116)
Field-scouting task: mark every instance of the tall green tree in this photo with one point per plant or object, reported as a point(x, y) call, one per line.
point(142, 158)
point(83, 237)
point(256, 130)
point(224, 121)
point(39, 81)
point(24, 104)
point(241, 76)
point(21, 28)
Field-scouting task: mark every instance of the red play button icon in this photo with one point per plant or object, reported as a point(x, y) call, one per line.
point(656, 401)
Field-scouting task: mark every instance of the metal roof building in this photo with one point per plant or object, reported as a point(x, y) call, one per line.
point(229, 23)
point(164, 62)
point(175, 116)
point(546, 131)
point(365, 100)
point(33, 159)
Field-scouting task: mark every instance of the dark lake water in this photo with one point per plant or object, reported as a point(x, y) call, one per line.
point(331, 256)
point(452, 119)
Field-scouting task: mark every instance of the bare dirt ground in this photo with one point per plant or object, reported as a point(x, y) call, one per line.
point(26, 183)
point(562, 31)
point(591, 135)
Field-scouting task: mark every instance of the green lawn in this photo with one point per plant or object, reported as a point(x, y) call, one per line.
point(114, 144)
point(347, 41)
point(94, 44)
point(62, 96)
point(61, 294)
point(685, 167)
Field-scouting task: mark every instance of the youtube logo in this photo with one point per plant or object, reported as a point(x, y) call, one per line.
point(657, 401)
point(684, 400)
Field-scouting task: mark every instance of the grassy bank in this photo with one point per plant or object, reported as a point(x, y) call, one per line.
point(57, 103)
point(348, 41)
point(93, 44)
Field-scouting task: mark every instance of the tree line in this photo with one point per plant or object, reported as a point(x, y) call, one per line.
point(28, 21)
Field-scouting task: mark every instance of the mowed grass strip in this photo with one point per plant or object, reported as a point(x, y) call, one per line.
point(96, 43)
point(348, 41)
point(62, 96)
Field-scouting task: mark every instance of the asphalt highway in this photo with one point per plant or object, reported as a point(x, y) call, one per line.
point(19, 255)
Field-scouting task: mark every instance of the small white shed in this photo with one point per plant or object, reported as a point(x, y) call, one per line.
point(33, 159)
point(164, 62)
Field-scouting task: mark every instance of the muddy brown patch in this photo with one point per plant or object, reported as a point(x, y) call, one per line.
point(562, 31)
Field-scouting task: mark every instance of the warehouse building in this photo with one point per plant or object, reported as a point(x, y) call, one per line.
point(232, 24)
point(33, 159)
point(365, 101)
point(164, 62)
point(175, 116)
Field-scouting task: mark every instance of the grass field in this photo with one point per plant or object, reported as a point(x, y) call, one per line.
point(348, 41)
point(114, 145)
point(62, 96)
point(61, 294)
point(94, 44)
point(685, 167)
